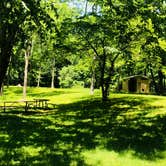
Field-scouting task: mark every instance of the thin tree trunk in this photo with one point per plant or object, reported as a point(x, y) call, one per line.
point(39, 78)
point(102, 73)
point(52, 77)
point(1, 90)
point(8, 73)
point(164, 83)
point(92, 83)
point(53, 74)
point(4, 63)
point(25, 75)
point(27, 54)
point(160, 82)
point(153, 80)
point(92, 77)
point(86, 7)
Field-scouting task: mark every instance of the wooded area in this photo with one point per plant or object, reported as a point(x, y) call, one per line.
point(89, 43)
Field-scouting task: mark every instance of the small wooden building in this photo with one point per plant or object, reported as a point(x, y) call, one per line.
point(136, 84)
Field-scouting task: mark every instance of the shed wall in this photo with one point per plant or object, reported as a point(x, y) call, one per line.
point(142, 85)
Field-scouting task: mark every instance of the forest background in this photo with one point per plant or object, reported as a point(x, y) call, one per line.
point(88, 43)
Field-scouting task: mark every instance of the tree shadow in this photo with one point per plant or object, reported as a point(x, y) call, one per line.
point(60, 138)
point(120, 124)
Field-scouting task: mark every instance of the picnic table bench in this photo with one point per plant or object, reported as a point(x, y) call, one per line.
point(35, 103)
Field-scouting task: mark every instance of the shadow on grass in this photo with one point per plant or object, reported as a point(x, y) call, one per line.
point(59, 138)
point(120, 124)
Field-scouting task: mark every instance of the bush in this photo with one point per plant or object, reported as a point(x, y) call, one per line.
point(72, 76)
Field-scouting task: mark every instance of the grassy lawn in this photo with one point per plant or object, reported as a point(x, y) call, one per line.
point(128, 130)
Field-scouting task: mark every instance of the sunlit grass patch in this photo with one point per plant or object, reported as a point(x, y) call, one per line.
point(58, 96)
point(30, 150)
point(102, 157)
point(4, 136)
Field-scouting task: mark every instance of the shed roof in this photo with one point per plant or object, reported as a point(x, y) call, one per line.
point(137, 76)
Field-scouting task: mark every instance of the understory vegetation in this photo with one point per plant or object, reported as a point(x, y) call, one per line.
point(127, 129)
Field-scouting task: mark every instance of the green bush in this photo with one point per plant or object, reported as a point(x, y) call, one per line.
point(72, 76)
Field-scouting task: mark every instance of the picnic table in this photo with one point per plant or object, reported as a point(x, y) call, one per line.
point(19, 103)
point(36, 103)
point(41, 103)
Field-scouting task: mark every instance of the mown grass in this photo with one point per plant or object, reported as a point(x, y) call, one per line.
point(128, 130)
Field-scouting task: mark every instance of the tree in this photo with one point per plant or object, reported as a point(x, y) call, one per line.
point(28, 51)
point(13, 16)
point(107, 41)
point(110, 31)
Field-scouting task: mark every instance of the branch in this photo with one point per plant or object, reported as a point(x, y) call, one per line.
point(93, 48)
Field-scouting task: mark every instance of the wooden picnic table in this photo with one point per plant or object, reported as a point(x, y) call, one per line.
point(36, 103)
point(26, 104)
point(41, 103)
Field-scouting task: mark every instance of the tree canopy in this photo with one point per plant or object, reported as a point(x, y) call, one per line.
point(114, 39)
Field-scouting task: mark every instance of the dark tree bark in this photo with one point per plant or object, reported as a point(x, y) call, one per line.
point(7, 39)
point(4, 62)
point(160, 82)
point(154, 81)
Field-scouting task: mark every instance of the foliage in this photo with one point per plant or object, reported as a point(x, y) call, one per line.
point(18, 19)
point(102, 41)
point(74, 76)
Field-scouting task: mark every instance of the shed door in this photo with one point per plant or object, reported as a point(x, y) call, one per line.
point(132, 85)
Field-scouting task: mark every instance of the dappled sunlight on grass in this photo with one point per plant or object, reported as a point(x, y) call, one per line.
point(58, 96)
point(102, 157)
point(83, 131)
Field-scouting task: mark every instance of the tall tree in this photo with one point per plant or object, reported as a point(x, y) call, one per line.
point(28, 51)
point(105, 31)
point(13, 16)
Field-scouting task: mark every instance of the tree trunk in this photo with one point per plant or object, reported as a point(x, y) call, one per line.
point(153, 80)
point(56, 80)
point(106, 83)
point(1, 90)
point(53, 74)
point(105, 90)
point(4, 63)
point(164, 83)
point(92, 83)
point(5, 54)
point(7, 39)
point(8, 74)
point(102, 80)
point(52, 77)
point(27, 54)
point(86, 7)
point(39, 78)
point(104, 94)
point(160, 82)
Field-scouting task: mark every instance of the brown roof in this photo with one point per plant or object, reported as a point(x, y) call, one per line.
point(137, 76)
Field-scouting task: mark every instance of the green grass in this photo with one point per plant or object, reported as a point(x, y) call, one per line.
point(128, 130)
